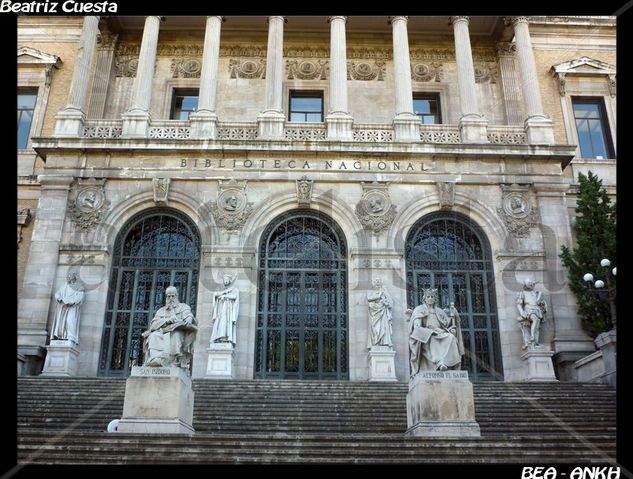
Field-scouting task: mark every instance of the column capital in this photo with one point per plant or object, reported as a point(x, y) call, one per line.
point(284, 19)
point(456, 19)
point(399, 18)
point(514, 20)
point(219, 17)
point(506, 48)
point(337, 17)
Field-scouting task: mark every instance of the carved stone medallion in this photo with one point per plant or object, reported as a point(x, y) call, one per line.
point(186, 68)
point(232, 209)
point(307, 69)
point(252, 68)
point(90, 205)
point(426, 71)
point(365, 71)
point(375, 210)
point(516, 211)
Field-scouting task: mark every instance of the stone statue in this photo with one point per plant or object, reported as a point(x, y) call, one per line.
point(225, 311)
point(435, 337)
point(379, 303)
point(169, 339)
point(69, 299)
point(532, 310)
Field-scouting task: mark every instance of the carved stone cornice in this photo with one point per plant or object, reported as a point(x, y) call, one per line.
point(584, 66)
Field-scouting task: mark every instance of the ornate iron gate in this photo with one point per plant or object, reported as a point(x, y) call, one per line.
point(156, 249)
point(302, 301)
point(449, 252)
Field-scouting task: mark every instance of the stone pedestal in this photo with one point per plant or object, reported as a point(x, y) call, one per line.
point(204, 125)
point(539, 130)
point(271, 125)
point(69, 123)
point(606, 342)
point(158, 400)
point(406, 127)
point(339, 127)
point(539, 364)
point(220, 361)
point(473, 129)
point(135, 124)
point(381, 364)
point(61, 359)
point(441, 404)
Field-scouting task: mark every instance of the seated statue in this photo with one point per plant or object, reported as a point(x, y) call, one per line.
point(171, 334)
point(435, 337)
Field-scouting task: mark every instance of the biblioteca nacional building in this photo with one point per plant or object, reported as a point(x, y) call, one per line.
point(294, 161)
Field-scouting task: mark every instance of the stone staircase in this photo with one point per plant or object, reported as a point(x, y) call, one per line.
point(63, 421)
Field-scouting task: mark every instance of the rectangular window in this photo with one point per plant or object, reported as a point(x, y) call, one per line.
point(184, 102)
point(427, 107)
point(26, 107)
point(592, 128)
point(306, 106)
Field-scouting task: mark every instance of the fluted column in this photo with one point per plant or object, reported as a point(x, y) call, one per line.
point(339, 121)
point(539, 127)
point(204, 120)
point(406, 123)
point(136, 120)
point(472, 124)
point(509, 84)
point(70, 120)
point(271, 119)
point(103, 74)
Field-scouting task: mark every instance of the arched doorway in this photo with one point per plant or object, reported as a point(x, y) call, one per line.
point(302, 300)
point(448, 251)
point(155, 249)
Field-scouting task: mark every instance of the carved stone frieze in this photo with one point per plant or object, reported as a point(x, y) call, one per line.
point(251, 68)
point(370, 53)
point(506, 49)
point(161, 190)
point(186, 68)
point(306, 52)
point(232, 209)
point(307, 69)
point(89, 205)
point(304, 190)
point(126, 66)
point(486, 72)
point(107, 41)
point(427, 71)
point(374, 210)
point(241, 51)
point(446, 192)
point(366, 71)
point(516, 210)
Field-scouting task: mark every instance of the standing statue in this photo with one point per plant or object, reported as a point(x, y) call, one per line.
point(532, 310)
point(169, 339)
point(225, 310)
point(69, 298)
point(435, 337)
point(379, 303)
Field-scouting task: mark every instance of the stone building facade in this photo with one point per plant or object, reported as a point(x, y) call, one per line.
point(438, 152)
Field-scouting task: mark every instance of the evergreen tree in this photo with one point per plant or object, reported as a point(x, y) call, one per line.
point(595, 235)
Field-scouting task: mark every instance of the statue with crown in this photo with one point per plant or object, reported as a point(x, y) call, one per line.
point(435, 336)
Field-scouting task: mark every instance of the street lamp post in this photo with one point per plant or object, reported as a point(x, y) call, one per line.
point(603, 293)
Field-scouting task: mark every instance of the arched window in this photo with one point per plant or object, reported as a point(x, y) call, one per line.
point(302, 301)
point(448, 251)
point(157, 248)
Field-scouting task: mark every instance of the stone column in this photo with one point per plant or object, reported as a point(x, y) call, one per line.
point(570, 343)
point(39, 276)
point(339, 121)
point(472, 124)
point(70, 120)
point(204, 120)
point(103, 75)
point(271, 120)
point(406, 124)
point(538, 127)
point(136, 120)
point(509, 84)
